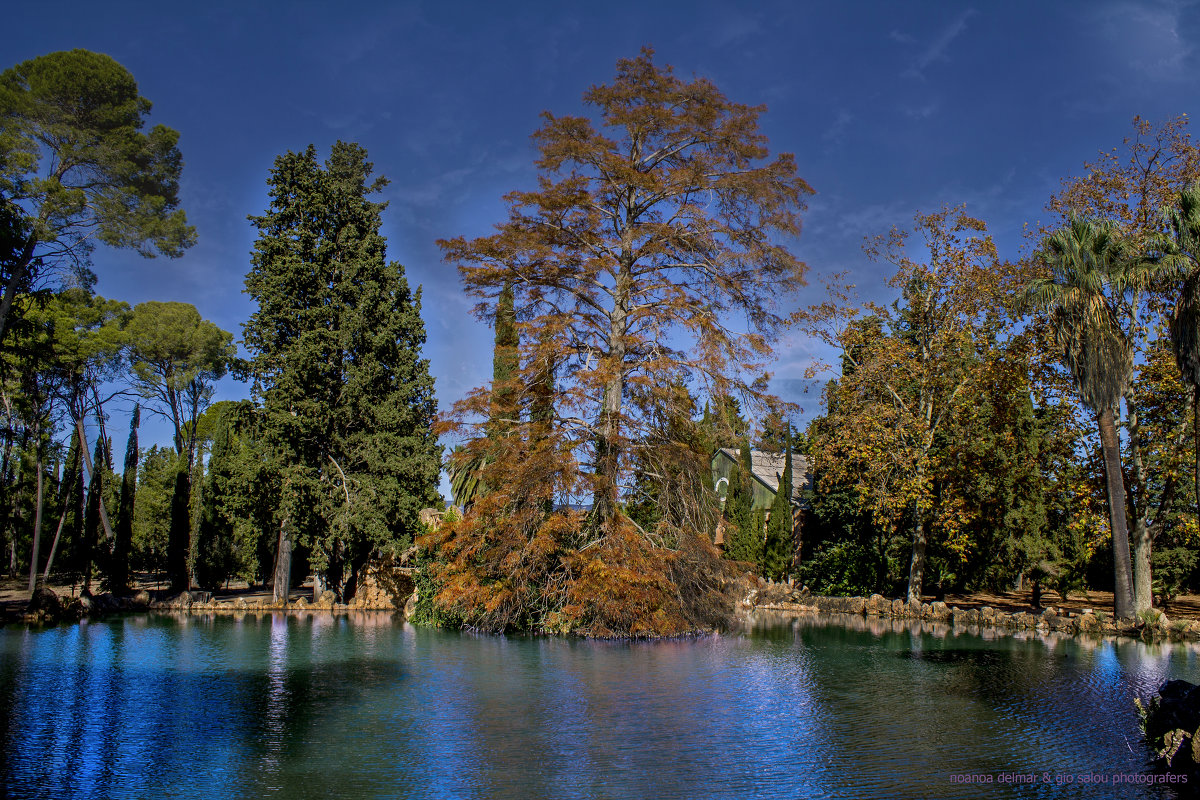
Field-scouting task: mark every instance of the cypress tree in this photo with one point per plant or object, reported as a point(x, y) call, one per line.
point(743, 540)
point(214, 536)
point(505, 362)
point(777, 554)
point(118, 572)
point(86, 550)
point(348, 402)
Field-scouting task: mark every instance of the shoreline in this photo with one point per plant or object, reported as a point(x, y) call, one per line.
point(1087, 622)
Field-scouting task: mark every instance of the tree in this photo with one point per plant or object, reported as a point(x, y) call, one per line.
point(907, 369)
point(1129, 187)
point(1178, 262)
point(74, 160)
point(744, 534)
point(1086, 260)
point(645, 236)
point(777, 552)
point(175, 358)
point(348, 402)
point(119, 574)
point(673, 226)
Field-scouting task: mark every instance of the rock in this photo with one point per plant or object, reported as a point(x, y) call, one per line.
point(877, 605)
point(939, 611)
point(987, 615)
point(1169, 719)
point(45, 602)
point(899, 608)
point(240, 604)
point(142, 599)
point(410, 607)
point(300, 604)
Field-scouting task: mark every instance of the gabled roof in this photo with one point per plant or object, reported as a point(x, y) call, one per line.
point(768, 468)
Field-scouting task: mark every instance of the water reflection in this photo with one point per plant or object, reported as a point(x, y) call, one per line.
point(365, 706)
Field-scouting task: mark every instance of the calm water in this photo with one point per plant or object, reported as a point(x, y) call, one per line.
point(363, 706)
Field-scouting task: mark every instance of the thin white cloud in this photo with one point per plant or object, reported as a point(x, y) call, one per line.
point(936, 50)
point(835, 134)
point(1150, 35)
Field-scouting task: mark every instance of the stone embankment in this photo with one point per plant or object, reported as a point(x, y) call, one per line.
point(388, 589)
point(790, 599)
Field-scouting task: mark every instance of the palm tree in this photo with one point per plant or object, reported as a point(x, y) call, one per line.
point(1087, 258)
point(1177, 259)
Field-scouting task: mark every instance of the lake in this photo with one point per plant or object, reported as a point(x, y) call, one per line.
point(366, 706)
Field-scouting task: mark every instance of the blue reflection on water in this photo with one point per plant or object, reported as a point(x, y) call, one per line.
point(365, 706)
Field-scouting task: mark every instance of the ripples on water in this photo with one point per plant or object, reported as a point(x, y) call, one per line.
point(365, 706)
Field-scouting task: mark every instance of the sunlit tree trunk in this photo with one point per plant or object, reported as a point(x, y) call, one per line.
point(1123, 579)
point(283, 565)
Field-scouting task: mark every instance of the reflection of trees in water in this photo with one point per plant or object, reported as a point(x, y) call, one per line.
point(139, 706)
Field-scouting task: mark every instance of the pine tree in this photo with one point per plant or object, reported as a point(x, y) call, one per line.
point(348, 402)
point(777, 553)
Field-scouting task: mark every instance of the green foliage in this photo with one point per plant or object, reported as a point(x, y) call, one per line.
point(779, 547)
point(232, 523)
point(743, 535)
point(841, 569)
point(75, 160)
point(348, 402)
point(119, 575)
point(175, 357)
point(152, 507)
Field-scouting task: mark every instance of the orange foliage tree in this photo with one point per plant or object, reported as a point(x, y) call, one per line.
point(650, 256)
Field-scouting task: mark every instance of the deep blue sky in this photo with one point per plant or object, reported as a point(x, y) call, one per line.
point(890, 108)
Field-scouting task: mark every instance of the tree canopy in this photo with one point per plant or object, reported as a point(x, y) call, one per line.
point(653, 225)
point(76, 163)
point(335, 342)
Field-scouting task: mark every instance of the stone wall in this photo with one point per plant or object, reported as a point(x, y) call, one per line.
point(786, 598)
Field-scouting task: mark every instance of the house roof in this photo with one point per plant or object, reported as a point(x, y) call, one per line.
point(768, 468)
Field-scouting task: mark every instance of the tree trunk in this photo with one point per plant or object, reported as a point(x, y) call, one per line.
point(62, 520)
point(916, 568)
point(1123, 577)
point(37, 524)
point(87, 460)
point(1143, 591)
point(608, 447)
point(283, 565)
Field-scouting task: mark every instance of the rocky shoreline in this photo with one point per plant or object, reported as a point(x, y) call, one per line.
point(794, 600)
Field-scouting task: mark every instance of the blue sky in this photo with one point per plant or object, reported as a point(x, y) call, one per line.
point(890, 108)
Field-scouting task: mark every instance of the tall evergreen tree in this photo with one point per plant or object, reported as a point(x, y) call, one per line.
point(777, 553)
point(744, 535)
point(348, 402)
point(118, 573)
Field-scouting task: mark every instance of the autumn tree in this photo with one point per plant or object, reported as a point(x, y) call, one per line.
point(348, 403)
point(898, 391)
point(75, 161)
point(654, 229)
